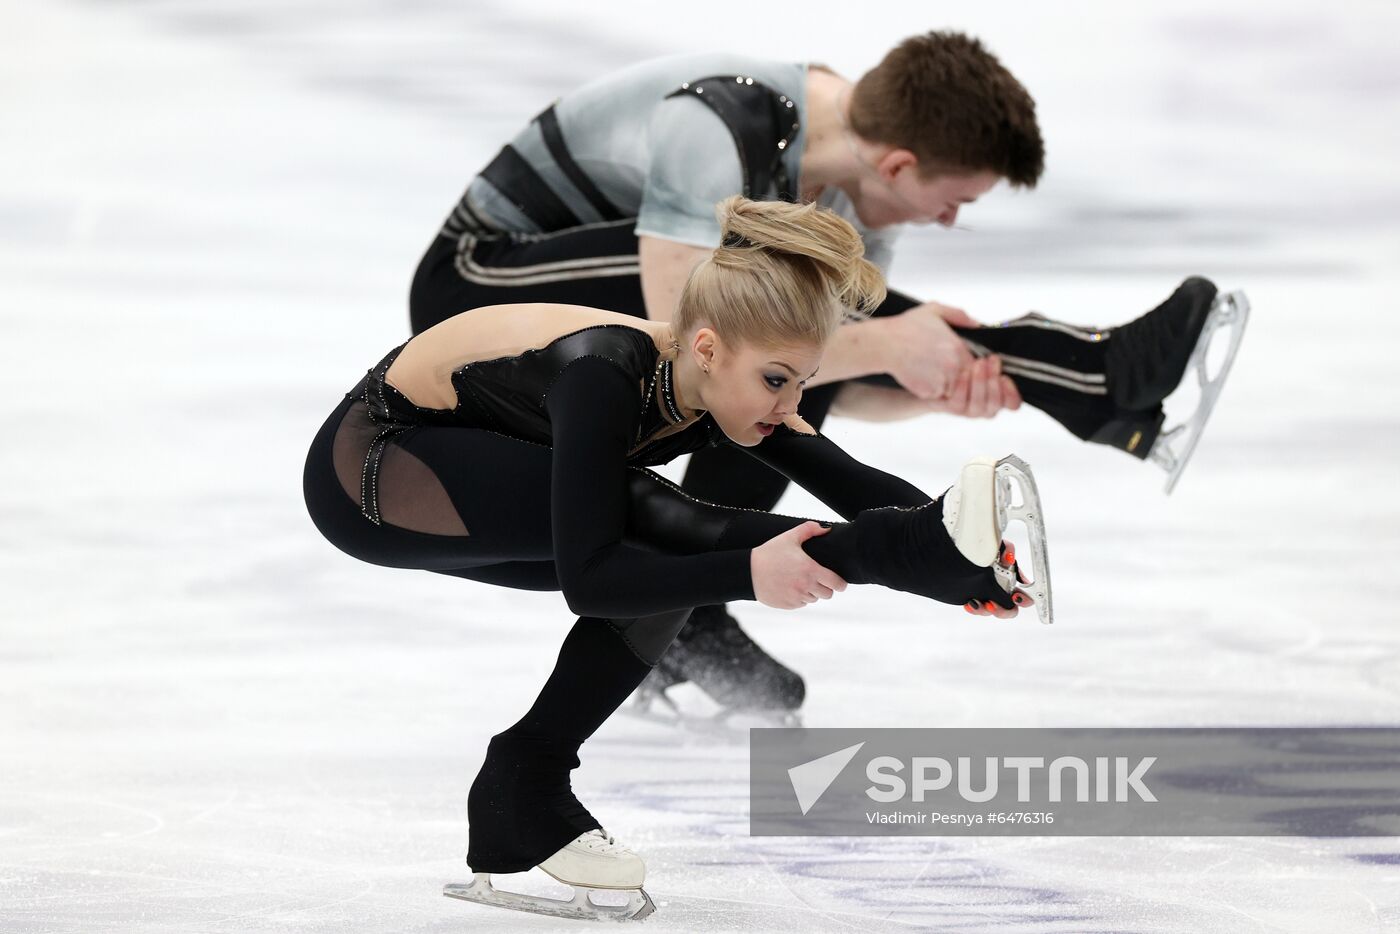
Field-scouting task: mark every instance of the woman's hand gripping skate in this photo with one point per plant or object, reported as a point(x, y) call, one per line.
point(1017, 598)
point(785, 577)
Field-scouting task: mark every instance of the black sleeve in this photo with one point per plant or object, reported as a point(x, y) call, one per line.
point(594, 409)
point(819, 466)
point(895, 303)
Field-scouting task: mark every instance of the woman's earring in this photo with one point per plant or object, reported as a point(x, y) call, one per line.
point(707, 368)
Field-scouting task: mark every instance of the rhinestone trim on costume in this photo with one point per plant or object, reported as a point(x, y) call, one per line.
point(668, 393)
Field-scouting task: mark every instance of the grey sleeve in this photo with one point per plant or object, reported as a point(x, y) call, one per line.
point(694, 164)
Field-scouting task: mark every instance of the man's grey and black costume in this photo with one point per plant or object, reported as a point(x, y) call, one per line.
point(649, 150)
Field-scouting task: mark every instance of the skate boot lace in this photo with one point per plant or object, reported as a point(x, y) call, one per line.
point(596, 841)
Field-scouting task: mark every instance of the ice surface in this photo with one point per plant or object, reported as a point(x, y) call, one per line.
point(210, 720)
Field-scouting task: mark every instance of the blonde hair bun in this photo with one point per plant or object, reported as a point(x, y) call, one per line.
point(784, 273)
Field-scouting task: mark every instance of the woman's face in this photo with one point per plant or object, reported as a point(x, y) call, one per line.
point(752, 387)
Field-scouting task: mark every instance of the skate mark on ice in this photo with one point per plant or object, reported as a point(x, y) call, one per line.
point(873, 874)
point(961, 891)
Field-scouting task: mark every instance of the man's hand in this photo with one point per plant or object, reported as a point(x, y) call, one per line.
point(931, 361)
point(922, 351)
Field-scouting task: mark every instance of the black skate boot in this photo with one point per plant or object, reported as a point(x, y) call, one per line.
point(1145, 359)
point(1106, 385)
point(724, 662)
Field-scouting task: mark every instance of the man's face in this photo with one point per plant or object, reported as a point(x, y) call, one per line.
point(891, 192)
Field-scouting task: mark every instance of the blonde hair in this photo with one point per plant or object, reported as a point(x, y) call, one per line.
point(784, 274)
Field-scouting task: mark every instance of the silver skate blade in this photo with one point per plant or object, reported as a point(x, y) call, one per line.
point(1173, 448)
point(580, 908)
point(1013, 476)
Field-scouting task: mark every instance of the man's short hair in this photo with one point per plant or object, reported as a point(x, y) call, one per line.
point(949, 101)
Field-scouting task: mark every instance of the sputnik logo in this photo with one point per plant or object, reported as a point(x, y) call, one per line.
point(810, 780)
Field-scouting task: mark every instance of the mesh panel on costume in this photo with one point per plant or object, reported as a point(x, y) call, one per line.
point(409, 494)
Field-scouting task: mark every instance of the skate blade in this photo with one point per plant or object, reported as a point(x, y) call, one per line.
point(1173, 448)
point(580, 908)
point(1014, 476)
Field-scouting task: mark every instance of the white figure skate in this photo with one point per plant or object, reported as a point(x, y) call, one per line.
point(1174, 446)
point(977, 510)
point(592, 862)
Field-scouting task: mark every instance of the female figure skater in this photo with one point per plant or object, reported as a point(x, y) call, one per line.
point(508, 444)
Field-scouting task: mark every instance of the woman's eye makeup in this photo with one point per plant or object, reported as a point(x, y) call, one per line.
point(776, 382)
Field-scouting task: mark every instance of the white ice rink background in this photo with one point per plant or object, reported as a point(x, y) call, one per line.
point(212, 721)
